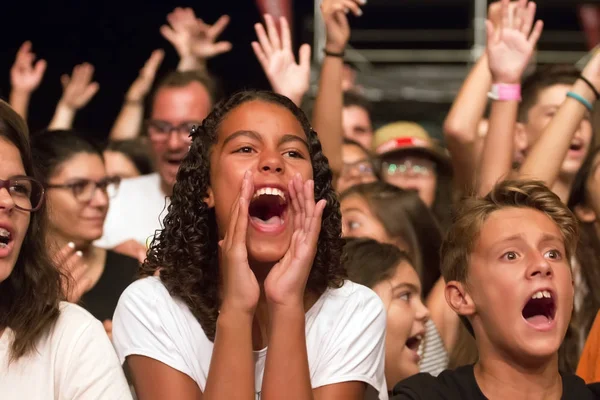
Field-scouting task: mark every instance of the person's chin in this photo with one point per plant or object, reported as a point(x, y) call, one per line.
point(169, 173)
point(268, 250)
point(6, 268)
point(407, 369)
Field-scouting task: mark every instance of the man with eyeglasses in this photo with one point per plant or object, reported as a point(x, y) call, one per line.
point(182, 100)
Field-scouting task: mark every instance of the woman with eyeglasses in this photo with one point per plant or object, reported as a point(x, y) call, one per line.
point(49, 349)
point(78, 191)
point(357, 166)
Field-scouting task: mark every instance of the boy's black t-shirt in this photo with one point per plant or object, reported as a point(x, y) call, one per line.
point(461, 384)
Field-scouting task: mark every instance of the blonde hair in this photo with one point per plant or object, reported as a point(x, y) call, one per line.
point(473, 212)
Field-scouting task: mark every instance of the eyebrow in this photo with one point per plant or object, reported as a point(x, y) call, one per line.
point(256, 136)
point(546, 237)
point(293, 138)
point(354, 209)
point(402, 285)
point(250, 134)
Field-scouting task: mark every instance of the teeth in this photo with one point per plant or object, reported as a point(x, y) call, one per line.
point(269, 191)
point(4, 233)
point(540, 294)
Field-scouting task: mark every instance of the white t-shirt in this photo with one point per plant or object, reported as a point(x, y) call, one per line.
point(136, 212)
point(74, 361)
point(345, 335)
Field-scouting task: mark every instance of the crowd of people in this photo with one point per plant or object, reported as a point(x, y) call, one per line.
point(271, 246)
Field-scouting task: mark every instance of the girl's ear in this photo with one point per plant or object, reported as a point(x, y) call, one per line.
point(210, 200)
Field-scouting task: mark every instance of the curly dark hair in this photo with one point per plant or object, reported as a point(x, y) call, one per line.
point(30, 296)
point(186, 250)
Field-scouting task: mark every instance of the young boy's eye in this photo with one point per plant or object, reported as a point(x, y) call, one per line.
point(510, 256)
point(553, 255)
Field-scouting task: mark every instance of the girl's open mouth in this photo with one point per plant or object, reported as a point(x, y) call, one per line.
point(268, 209)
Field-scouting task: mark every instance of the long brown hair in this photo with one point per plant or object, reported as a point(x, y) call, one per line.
point(588, 258)
point(30, 295)
point(404, 215)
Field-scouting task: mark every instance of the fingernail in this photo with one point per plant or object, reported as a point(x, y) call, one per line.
point(363, 2)
point(359, 12)
point(79, 253)
point(71, 245)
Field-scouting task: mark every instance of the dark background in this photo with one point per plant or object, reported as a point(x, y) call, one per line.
point(118, 37)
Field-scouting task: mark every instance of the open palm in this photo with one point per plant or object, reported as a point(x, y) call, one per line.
point(511, 45)
point(192, 37)
point(275, 55)
point(25, 74)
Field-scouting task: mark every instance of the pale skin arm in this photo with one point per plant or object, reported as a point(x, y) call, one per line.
point(497, 155)
point(547, 155)
point(510, 47)
point(128, 124)
point(327, 113)
point(461, 124)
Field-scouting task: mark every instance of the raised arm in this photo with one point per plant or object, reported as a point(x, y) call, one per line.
point(128, 124)
point(461, 127)
point(461, 124)
point(547, 155)
point(277, 60)
point(193, 39)
point(509, 49)
point(327, 113)
point(78, 90)
point(25, 77)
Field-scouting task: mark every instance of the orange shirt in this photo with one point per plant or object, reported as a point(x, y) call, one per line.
point(589, 363)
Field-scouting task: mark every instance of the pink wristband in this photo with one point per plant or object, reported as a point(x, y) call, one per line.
point(505, 92)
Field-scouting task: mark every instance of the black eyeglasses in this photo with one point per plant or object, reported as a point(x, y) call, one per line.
point(84, 189)
point(159, 131)
point(26, 192)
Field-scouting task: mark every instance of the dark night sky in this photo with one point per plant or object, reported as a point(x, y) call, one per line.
point(117, 38)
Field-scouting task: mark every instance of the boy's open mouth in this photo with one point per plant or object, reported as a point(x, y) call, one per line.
point(540, 309)
point(268, 206)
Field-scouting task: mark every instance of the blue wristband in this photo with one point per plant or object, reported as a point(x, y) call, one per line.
point(582, 100)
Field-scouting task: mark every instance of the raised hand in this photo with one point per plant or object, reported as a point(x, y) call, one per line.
point(78, 89)
point(75, 282)
point(511, 44)
point(240, 287)
point(336, 23)
point(25, 75)
point(286, 282)
point(275, 55)
point(192, 38)
point(141, 86)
